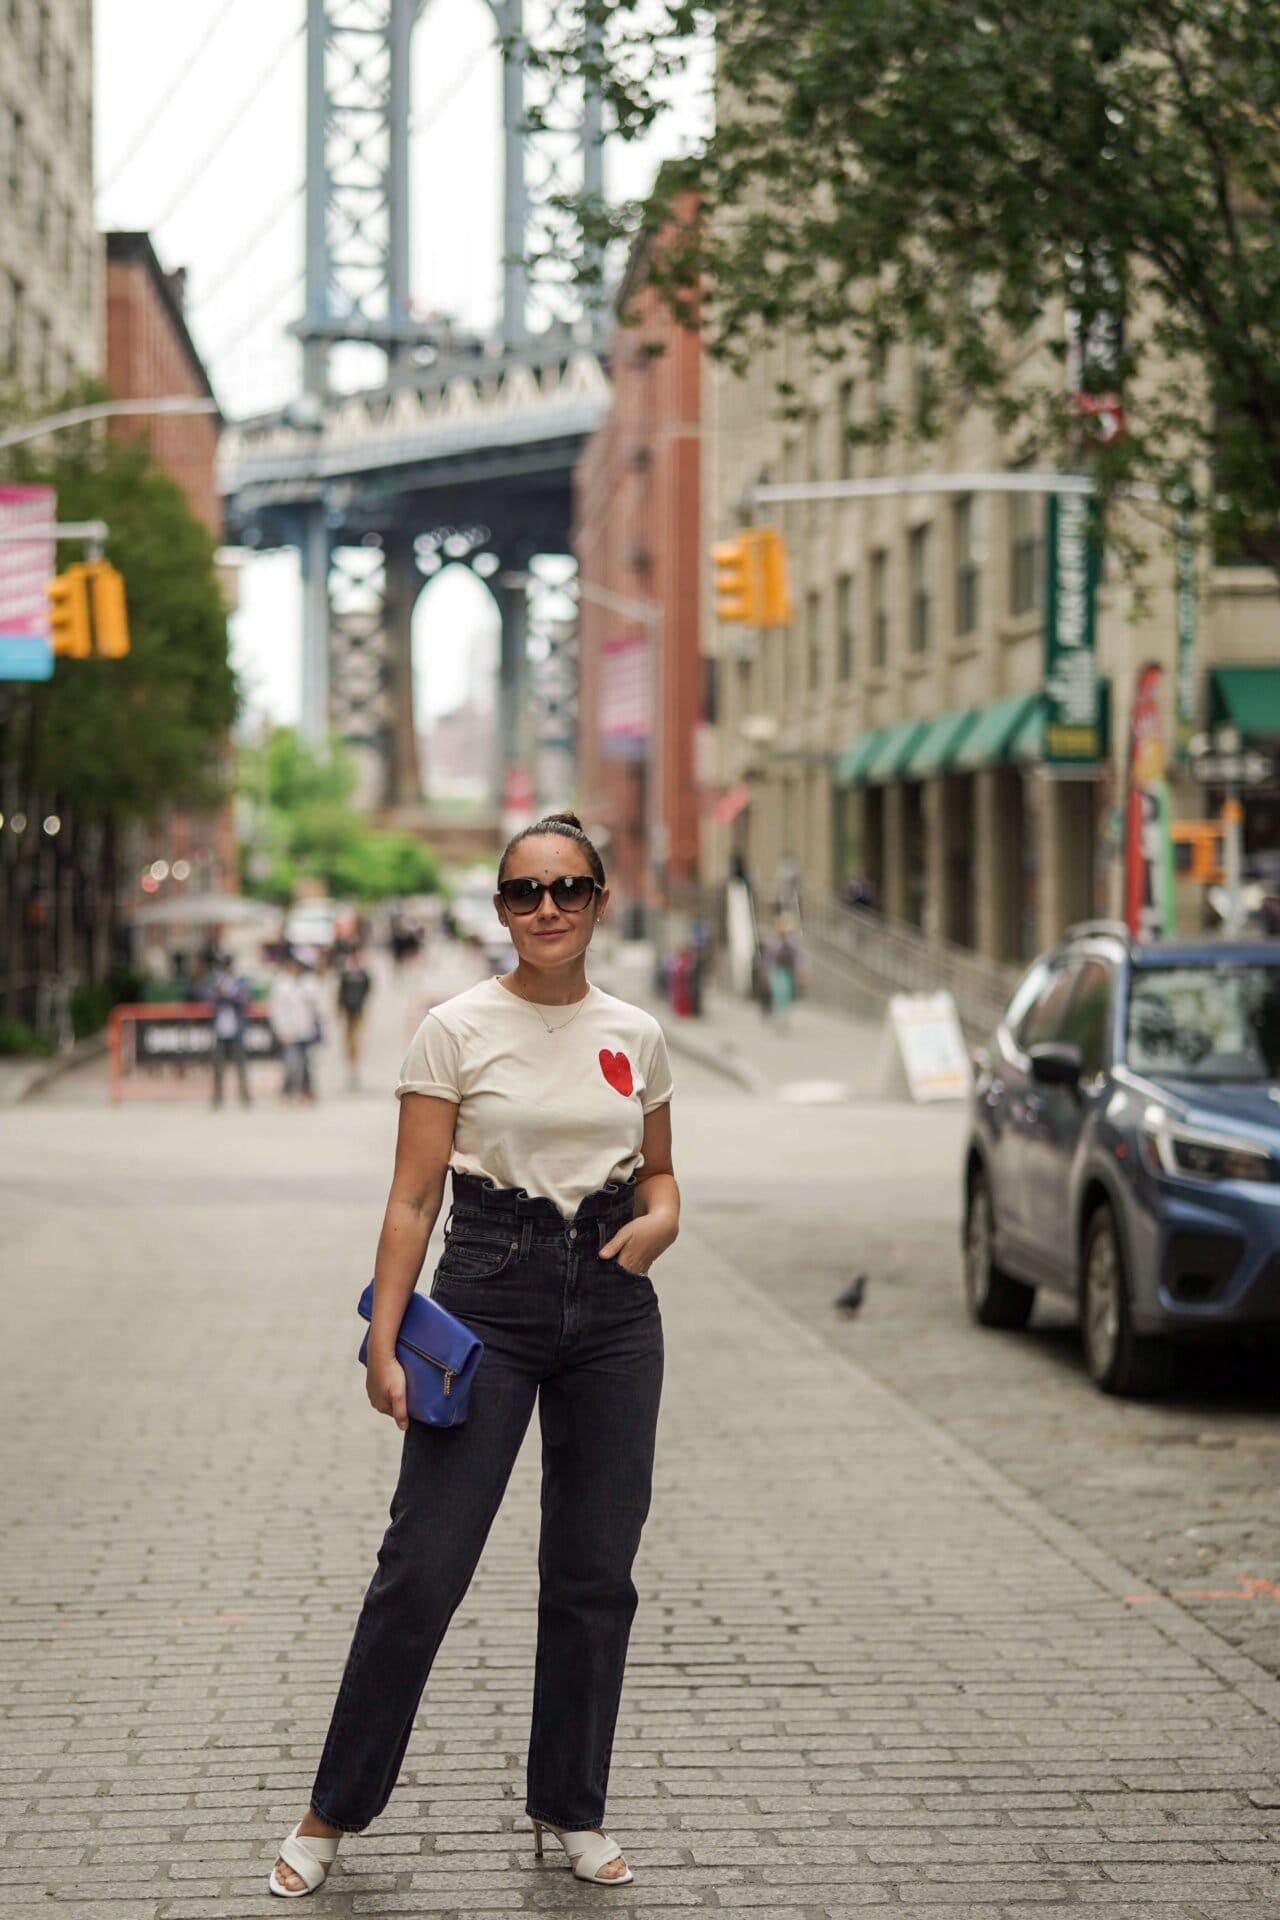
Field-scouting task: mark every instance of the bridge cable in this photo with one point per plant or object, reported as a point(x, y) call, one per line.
point(211, 152)
point(260, 313)
point(221, 15)
point(419, 123)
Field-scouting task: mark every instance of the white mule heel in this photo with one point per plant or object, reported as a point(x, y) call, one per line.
point(311, 1856)
point(587, 1853)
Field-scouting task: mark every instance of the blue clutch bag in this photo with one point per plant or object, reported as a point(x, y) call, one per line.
point(439, 1356)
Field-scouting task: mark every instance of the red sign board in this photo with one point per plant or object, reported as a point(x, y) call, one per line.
point(624, 698)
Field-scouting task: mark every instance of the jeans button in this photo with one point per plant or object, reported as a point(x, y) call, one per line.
point(573, 1233)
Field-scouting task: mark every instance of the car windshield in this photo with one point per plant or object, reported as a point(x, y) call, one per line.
point(1216, 1022)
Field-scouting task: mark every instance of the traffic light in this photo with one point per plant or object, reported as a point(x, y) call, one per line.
point(110, 615)
point(87, 612)
point(776, 585)
point(751, 578)
point(69, 613)
point(733, 560)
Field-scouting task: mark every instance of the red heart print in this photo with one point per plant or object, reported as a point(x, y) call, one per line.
point(616, 1069)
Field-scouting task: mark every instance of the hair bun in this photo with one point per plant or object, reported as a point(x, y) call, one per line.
point(569, 819)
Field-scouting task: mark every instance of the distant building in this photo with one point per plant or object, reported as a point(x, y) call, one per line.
point(50, 277)
point(150, 355)
point(638, 538)
point(458, 751)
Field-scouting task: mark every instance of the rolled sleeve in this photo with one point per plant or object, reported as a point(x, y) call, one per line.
point(658, 1086)
point(431, 1064)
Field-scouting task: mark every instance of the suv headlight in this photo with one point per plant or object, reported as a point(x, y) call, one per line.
point(1189, 1154)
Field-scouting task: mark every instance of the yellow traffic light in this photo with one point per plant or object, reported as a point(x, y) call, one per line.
point(751, 578)
point(775, 582)
point(69, 614)
point(732, 562)
point(110, 615)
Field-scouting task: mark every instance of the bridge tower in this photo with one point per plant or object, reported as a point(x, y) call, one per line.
point(357, 671)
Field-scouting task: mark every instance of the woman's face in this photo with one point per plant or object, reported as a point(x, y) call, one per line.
point(550, 936)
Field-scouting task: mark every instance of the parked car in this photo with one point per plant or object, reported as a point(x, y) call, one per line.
point(1125, 1149)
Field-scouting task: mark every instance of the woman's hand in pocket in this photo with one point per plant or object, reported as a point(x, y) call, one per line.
point(384, 1384)
point(637, 1245)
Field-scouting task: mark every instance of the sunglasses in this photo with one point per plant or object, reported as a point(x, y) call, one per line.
point(571, 892)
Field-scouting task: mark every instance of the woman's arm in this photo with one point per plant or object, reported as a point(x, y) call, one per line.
point(657, 1216)
point(423, 1145)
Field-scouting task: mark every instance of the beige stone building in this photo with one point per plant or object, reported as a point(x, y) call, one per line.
point(895, 730)
point(50, 273)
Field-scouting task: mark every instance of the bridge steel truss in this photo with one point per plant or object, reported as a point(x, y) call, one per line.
point(484, 434)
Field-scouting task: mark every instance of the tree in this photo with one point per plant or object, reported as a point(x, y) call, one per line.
point(106, 742)
point(306, 827)
point(948, 172)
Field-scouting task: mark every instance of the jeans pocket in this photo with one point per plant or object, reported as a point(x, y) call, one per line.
point(475, 1259)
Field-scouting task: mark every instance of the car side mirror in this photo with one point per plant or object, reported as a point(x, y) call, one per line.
point(1054, 1065)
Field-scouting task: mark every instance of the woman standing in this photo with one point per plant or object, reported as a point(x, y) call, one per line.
point(548, 1101)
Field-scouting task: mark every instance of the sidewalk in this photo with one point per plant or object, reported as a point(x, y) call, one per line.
point(868, 1674)
point(821, 1057)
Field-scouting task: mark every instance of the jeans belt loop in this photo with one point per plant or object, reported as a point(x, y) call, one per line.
point(526, 1239)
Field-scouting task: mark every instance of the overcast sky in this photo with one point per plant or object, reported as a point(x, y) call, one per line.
point(200, 141)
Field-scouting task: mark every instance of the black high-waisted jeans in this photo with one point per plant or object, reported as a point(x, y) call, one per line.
point(583, 1337)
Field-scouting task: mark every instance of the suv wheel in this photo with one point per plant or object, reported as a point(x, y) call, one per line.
point(994, 1298)
point(1119, 1360)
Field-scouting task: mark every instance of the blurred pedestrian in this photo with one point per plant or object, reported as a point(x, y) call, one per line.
point(783, 966)
point(354, 986)
point(228, 993)
point(548, 1099)
point(294, 1016)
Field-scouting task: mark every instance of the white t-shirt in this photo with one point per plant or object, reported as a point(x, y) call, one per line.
point(560, 1114)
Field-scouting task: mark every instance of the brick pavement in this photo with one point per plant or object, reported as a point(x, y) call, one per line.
point(868, 1673)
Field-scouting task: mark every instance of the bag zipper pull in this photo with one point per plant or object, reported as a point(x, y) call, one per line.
point(448, 1382)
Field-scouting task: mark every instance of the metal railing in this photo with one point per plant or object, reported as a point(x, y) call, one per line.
point(888, 956)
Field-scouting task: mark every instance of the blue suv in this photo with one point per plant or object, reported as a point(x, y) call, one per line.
point(1125, 1148)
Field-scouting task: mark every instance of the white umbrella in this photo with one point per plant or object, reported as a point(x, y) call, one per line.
point(205, 910)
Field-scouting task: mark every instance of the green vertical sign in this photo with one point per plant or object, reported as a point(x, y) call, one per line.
point(1072, 733)
point(1186, 600)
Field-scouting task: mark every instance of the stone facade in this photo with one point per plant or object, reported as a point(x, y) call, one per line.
point(908, 608)
point(50, 274)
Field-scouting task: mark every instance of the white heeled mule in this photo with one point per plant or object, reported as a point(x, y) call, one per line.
point(311, 1856)
point(587, 1852)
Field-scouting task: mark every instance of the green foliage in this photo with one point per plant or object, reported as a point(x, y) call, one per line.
point(127, 737)
point(16, 1038)
point(955, 172)
point(306, 827)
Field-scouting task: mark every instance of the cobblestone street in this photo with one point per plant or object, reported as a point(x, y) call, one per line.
point(870, 1672)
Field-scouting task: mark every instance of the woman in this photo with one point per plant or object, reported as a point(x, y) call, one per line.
point(548, 1101)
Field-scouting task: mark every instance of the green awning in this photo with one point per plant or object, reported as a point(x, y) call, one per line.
point(852, 764)
point(1248, 697)
point(895, 750)
point(989, 740)
point(1027, 744)
point(936, 752)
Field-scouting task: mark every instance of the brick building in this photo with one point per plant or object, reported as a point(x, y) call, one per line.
point(638, 545)
point(150, 354)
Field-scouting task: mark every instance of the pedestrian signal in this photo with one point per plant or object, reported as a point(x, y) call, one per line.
point(110, 615)
point(69, 614)
point(751, 578)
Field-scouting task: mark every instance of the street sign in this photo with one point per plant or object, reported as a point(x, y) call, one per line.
point(1248, 768)
point(26, 568)
point(1072, 734)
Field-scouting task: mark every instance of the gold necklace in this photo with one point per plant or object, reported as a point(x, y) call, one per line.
point(556, 1026)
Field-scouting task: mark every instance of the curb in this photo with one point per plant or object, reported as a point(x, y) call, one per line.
point(722, 1060)
point(42, 1072)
